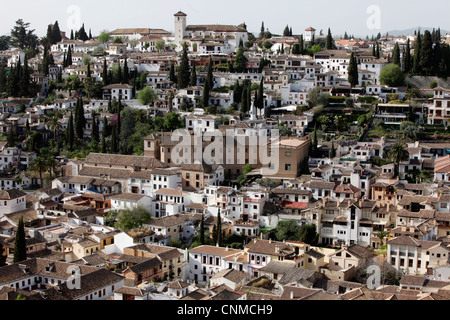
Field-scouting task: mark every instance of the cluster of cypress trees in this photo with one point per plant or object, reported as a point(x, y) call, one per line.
point(54, 33)
point(17, 82)
point(431, 57)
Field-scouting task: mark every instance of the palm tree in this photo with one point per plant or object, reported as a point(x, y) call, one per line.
point(40, 165)
point(54, 125)
point(51, 164)
point(398, 153)
point(381, 235)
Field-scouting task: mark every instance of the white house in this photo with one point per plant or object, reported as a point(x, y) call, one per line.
point(11, 201)
point(129, 201)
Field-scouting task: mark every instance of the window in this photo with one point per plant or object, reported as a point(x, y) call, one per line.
point(287, 167)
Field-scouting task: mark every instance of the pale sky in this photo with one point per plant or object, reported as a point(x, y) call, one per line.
point(359, 17)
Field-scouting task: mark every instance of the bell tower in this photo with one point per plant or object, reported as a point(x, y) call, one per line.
point(180, 26)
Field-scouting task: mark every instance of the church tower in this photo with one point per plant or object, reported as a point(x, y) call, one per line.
point(180, 26)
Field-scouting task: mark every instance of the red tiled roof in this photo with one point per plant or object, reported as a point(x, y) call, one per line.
point(294, 205)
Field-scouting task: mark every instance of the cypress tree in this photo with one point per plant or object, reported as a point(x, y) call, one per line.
point(374, 51)
point(353, 71)
point(20, 246)
point(315, 141)
point(436, 59)
point(193, 81)
point(70, 135)
point(219, 229)
point(88, 72)
point(240, 62)
point(25, 80)
point(103, 142)
point(301, 44)
point(69, 56)
point(72, 37)
point(184, 73)
point(80, 120)
point(237, 93)
point(205, 98)
point(126, 72)
point(210, 77)
point(105, 73)
point(50, 35)
point(172, 76)
point(417, 55)
point(202, 230)
point(426, 54)
point(249, 98)
point(114, 142)
point(244, 106)
point(378, 51)
point(333, 150)
point(95, 128)
point(396, 55)
point(56, 33)
point(407, 58)
point(330, 42)
point(3, 78)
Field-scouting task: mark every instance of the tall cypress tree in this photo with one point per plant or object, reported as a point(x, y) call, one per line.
point(3, 78)
point(105, 73)
point(330, 42)
point(80, 119)
point(172, 76)
point(126, 72)
point(210, 77)
point(353, 71)
point(301, 44)
point(202, 230)
point(417, 55)
point(95, 135)
point(20, 246)
point(56, 33)
point(426, 54)
point(193, 81)
point(396, 55)
point(184, 72)
point(25, 80)
point(407, 58)
point(70, 133)
point(69, 56)
point(206, 91)
point(219, 229)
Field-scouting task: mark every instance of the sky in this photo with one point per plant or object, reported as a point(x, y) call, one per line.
point(358, 17)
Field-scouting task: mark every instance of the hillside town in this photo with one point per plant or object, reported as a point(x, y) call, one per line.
point(212, 163)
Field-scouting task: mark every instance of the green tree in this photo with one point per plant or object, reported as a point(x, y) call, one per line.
point(240, 61)
point(287, 230)
point(205, 97)
point(417, 69)
point(193, 81)
point(219, 229)
point(24, 38)
point(70, 133)
point(308, 234)
point(407, 58)
point(353, 76)
point(330, 41)
point(160, 44)
point(20, 246)
point(39, 165)
point(396, 55)
point(392, 76)
point(132, 218)
point(398, 153)
point(202, 230)
point(184, 69)
point(104, 37)
point(147, 96)
point(210, 76)
point(426, 54)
